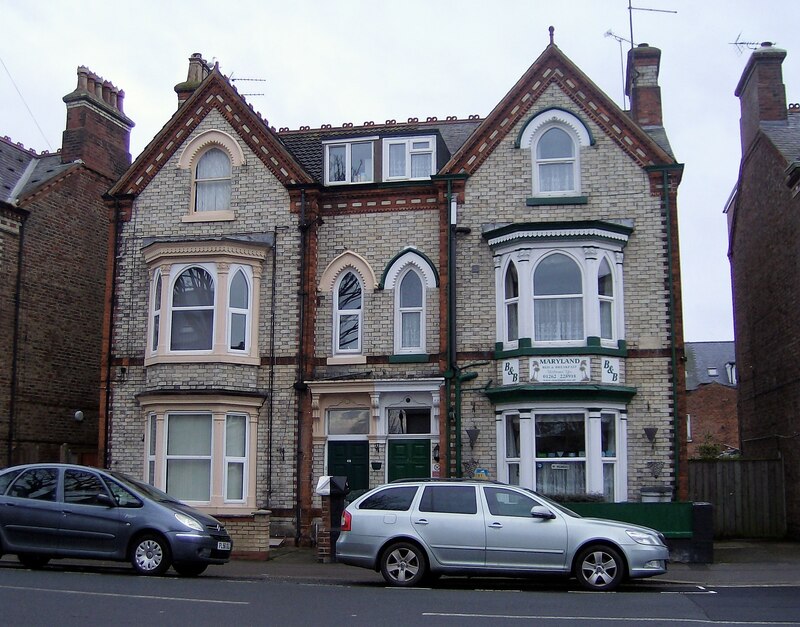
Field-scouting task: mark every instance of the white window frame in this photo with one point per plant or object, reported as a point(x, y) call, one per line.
point(157, 409)
point(339, 313)
point(222, 261)
point(400, 311)
point(156, 297)
point(574, 160)
point(175, 274)
point(607, 299)
point(173, 457)
point(198, 182)
point(408, 144)
point(508, 302)
point(230, 460)
point(348, 146)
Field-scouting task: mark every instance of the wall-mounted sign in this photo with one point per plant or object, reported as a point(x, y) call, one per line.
point(511, 371)
point(560, 369)
point(609, 366)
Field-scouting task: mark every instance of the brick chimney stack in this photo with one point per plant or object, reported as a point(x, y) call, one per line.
point(198, 70)
point(97, 132)
point(761, 91)
point(641, 85)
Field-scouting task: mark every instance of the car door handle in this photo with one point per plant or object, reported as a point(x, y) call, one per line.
point(496, 525)
point(421, 521)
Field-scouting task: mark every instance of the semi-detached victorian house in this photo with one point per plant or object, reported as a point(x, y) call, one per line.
point(495, 296)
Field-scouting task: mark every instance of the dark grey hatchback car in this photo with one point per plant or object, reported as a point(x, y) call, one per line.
point(59, 510)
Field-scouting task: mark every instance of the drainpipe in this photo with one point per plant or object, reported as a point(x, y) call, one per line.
point(665, 170)
point(299, 385)
point(12, 404)
point(271, 390)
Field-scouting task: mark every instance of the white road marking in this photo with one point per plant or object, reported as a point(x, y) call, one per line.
point(615, 619)
point(125, 596)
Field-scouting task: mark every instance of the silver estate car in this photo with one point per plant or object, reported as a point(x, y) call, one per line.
point(59, 510)
point(415, 530)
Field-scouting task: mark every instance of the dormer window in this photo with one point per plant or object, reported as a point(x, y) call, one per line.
point(349, 162)
point(409, 158)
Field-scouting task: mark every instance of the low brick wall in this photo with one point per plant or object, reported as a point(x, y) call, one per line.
point(250, 534)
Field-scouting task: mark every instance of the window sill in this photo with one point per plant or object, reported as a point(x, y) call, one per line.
point(408, 358)
point(590, 348)
point(538, 201)
point(209, 216)
point(346, 360)
point(200, 359)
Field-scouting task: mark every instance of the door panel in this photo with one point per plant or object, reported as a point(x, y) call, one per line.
point(514, 539)
point(31, 513)
point(409, 459)
point(350, 459)
point(88, 526)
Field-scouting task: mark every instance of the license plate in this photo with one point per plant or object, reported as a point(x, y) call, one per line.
point(223, 546)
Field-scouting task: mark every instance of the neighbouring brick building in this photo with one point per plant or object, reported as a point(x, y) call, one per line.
point(54, 234)
point(712, 423)
point(764, 231)
point(495, 295)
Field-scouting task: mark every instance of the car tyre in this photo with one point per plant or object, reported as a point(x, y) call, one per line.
point(33, 561)
point(190, 570)
point(599, 568)
point(150, 555)
point(403, 564)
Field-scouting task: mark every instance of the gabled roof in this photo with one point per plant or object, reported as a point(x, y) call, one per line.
point(21, 170)
point(703, 357)
point(214, 93)
point(554, 67)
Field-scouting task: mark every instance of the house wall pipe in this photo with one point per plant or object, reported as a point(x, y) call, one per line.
point(271, 389)
point(299, 385)
point(12, 401)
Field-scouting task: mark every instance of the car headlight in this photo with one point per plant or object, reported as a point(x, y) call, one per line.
point(188, 521)
point(640, 537)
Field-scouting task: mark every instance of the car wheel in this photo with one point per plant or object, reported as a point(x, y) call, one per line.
point(403, 564)
point(31, 560)
point(599, 568)
point(150, 555)
point(190, 570)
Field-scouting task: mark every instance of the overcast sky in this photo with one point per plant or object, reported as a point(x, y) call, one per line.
point(335, 61)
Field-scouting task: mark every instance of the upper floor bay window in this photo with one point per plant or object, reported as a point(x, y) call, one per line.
point(213, 181)
point(559, 284)
point(203, 311)
point(409, 158)
point(349, 162)
point(348, 314)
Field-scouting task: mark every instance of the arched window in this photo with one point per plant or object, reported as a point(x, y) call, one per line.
point(238, 311)
point(557, 300)
point(555, 162)
point(605, 294)
point(192, 327)
point(156, 312)
point(410, 310)
point(213, 181)
point(511, 297)
point(348, 307)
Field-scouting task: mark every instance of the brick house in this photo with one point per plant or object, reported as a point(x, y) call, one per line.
point(711, 417)
point(763, 225)
point(51, 314)
point(495, 295)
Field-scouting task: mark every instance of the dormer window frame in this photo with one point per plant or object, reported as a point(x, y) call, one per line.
point(348, 144)
point(412, 146)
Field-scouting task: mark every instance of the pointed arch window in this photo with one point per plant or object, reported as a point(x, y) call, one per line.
point(411, 312)
point(605, 295)
point(348, 316)
point(511, 297)
point(238, 311)
point(557, 300)
point(192, 327)
point(213, 181)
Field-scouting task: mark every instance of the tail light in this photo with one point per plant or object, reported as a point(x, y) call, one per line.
point(347, 520)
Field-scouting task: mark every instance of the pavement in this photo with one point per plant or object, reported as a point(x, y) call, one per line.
point(737, 563)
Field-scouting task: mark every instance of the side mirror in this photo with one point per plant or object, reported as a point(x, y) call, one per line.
point(540, 511)
point(103, 499)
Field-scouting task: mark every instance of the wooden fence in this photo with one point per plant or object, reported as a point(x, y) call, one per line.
point(748, 496)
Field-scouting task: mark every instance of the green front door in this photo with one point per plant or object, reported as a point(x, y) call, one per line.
point(409, 459)
point(350, 459)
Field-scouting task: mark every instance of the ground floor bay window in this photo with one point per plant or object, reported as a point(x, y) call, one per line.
point(203, 451)
point(563, 452)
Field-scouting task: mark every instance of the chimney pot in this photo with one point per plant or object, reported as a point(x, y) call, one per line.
point(120, 99)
